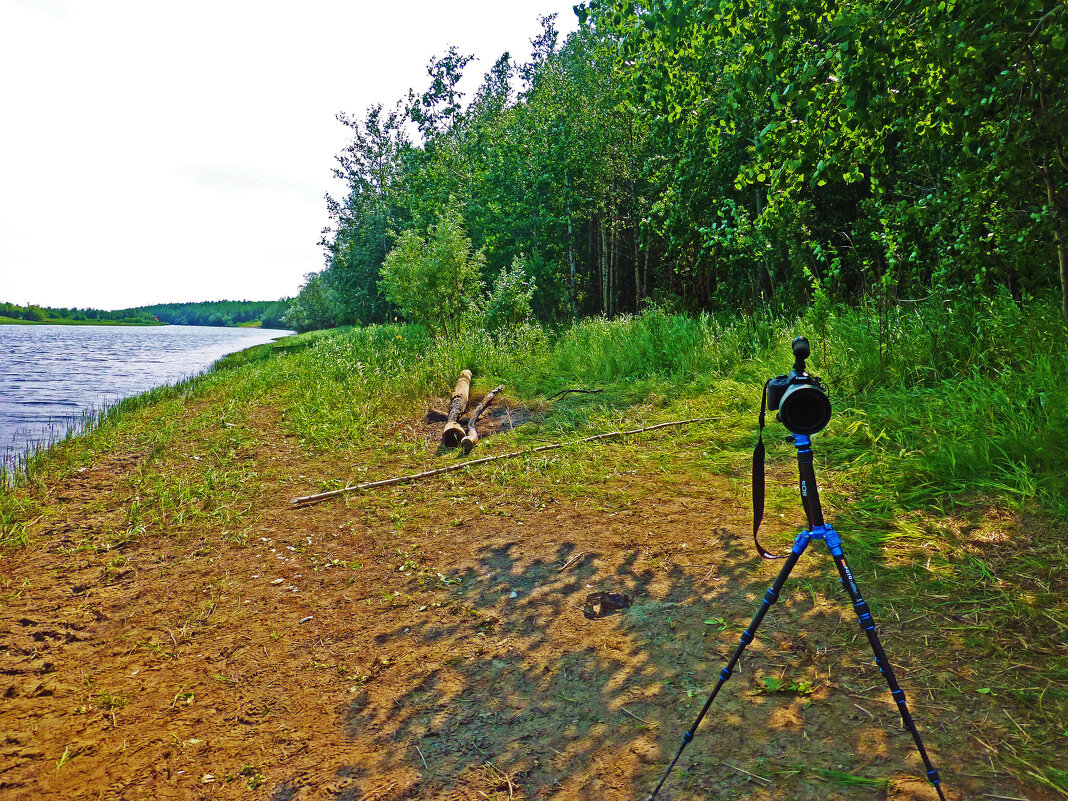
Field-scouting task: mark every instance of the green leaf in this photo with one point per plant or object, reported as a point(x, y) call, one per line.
point(772, 684)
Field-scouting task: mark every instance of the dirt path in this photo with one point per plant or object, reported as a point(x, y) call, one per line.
point(425, 649)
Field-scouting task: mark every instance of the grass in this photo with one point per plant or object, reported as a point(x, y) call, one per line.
point(945, 466)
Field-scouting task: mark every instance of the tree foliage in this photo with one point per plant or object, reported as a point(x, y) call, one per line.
point(736, 154)
point(509, 302)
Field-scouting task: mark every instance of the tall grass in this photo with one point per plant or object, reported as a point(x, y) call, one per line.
point(971, 396)
point(937, 398)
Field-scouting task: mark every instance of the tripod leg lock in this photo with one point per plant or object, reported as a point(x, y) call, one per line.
point(864, 615)
point(724, 674)
point(771, 596)
point(687, 737)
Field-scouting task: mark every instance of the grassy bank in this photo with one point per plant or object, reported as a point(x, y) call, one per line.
point(944, 466)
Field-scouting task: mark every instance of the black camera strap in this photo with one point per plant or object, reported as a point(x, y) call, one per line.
point(758, 479)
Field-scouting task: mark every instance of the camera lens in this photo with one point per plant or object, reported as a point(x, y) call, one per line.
point(804, 409)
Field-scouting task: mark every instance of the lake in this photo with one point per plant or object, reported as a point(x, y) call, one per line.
point(51, 376)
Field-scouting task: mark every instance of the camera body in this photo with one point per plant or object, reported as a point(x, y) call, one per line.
point(799, 398)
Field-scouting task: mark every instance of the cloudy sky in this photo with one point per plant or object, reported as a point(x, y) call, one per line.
point(155, 151)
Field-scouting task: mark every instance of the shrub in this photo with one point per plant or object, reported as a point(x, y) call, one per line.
point(509, 304)
point(434, 281)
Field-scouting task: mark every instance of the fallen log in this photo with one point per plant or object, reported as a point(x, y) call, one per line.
point(454, 432)
point(468, 442)
point(308, 500)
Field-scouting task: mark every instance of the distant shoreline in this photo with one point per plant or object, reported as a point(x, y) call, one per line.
point(69, 321)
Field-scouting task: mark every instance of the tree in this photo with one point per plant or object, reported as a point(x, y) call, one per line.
point(311, 309)
point(434, 280)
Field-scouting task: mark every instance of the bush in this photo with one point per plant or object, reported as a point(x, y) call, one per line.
point(434, 281)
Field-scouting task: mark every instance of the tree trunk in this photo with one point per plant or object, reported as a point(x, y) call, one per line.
point(454, 432)
point(645, 272)
point(1062, 258)
point(604, 270)
point(613, 267)
point(638, 277)
point(1059, 236)
point(570, 242)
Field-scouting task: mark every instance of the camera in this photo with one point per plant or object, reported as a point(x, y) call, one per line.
point(800, 399)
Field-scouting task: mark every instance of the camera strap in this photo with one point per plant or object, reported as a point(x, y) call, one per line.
point(758, 479)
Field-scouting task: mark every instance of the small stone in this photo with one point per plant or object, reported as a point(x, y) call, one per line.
point(306, 619)
point(514, 594)
point(278, 581)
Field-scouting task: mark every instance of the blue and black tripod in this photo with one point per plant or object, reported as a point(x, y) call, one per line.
point(804, 409)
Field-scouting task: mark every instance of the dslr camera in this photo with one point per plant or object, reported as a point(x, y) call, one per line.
point(799, 398)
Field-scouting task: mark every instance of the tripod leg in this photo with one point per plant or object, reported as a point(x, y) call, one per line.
point(868, 624)
point(770, 597)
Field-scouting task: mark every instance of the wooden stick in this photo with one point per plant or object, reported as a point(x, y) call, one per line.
point(570, 561)
point(454, 432)
point(643, 720)
point(747, 773)
point(307, 500)
point(468, 442)
point(564, 392)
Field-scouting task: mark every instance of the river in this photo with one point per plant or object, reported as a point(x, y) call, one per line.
point(53, 376)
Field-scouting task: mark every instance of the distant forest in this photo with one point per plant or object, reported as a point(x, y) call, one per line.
point(267, 313)
point(709, 155)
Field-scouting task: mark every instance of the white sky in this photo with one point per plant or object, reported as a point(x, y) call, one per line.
point(156, 152)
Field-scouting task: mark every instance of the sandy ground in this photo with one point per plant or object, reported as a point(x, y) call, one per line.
point(447, 651)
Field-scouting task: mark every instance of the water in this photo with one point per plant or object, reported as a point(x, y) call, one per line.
point(53, 376)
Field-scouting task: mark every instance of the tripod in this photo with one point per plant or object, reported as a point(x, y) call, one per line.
point(818, 530)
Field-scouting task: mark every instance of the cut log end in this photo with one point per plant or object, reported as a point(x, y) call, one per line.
point(468, 442)
point(452, 435)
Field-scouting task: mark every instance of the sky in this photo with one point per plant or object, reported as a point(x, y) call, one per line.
point(156, 151)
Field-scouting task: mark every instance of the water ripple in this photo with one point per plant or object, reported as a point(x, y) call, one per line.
point(51, 376)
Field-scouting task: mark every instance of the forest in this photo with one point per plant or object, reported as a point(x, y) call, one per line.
point(267, 313)
point(713, 156)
